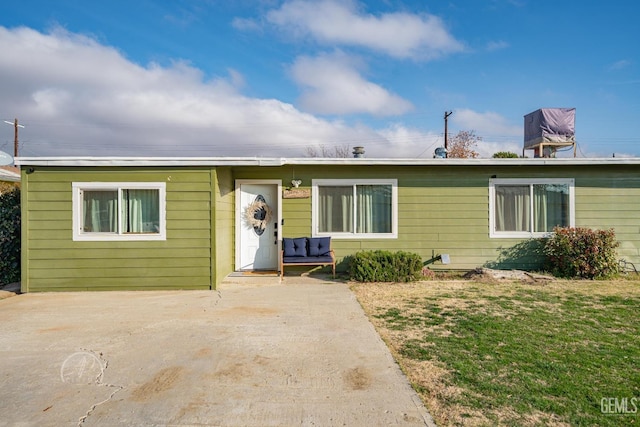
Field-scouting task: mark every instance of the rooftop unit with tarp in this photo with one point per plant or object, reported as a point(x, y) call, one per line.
point(548, 130)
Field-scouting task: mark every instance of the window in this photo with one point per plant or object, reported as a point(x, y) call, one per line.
point(530, 207)
point(355, 208)
point(119, 211)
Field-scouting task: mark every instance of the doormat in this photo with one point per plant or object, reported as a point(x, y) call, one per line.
point(260, 273)
point(256, 273)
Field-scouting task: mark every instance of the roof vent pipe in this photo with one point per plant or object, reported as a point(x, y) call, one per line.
point(358, 152)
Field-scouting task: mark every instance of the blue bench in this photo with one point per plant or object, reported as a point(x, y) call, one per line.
point(307, 251)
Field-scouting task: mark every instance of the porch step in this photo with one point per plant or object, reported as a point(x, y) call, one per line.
point(273, 278)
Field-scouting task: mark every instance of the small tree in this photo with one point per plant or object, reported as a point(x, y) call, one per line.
point(505, 155)
point(463, 144)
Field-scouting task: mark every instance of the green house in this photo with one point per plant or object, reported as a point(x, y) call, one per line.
point(160, 223)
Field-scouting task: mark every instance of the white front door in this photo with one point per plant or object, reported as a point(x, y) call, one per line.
point(257, 219)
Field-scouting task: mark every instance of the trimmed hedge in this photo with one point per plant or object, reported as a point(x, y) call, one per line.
point(582, 253)
point(10, 236)
point(384, 266)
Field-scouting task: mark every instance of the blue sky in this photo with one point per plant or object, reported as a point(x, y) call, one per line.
point(272, 78)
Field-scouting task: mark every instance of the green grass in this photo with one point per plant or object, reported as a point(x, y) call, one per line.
point(520, 355)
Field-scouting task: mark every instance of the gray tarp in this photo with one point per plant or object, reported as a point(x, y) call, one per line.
point(555, 125)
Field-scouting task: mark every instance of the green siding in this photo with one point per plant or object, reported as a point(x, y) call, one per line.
point(441, 209)
point(53, 261)
point(613, 209)
point(445, 209)
point(224, 224)
point(25, 220)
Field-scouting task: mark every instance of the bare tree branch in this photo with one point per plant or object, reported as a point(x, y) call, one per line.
point(337, 151)
point(463, 144)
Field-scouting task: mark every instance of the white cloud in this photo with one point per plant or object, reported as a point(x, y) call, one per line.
point(496, 45)
point(495, 130)
point(619, 65)
point(408, 143)
point(487, 148)
point(398, 34)
point(485, 124)
point(236, 78)
point(332, 85)
point(78, 97)
point(245, 24)
point(413, 143)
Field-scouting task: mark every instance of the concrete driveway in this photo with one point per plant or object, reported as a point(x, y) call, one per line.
point(251, 354)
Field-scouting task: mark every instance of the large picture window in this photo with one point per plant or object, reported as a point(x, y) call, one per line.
point(355, 208)
point(530, 208)
point(118, 211)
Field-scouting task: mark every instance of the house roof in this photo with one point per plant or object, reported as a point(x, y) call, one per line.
point(281, 161)
point(9, 174)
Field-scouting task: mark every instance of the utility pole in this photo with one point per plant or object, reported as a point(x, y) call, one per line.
point(15, 135)
point(15, 138)
point(446, 131)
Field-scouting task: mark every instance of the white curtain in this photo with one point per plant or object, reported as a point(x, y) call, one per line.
point(512, 208)
point(374, 208)
point(336, 209)
point(140, 211)
point(551, 206)
point(100, 211)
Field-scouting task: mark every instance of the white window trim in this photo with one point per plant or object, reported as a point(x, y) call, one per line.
point(526, 181)
point(79, 235)
point(353, 182)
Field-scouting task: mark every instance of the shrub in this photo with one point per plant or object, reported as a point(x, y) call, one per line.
point(505, 155)
point(582, 253)
point(10, 236)
point(384, 266)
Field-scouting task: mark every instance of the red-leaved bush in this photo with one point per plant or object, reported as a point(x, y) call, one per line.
point(582, 253)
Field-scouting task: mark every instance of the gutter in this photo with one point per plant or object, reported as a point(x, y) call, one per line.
point(281, 161)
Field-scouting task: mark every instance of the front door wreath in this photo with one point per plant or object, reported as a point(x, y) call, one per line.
point(258, 214)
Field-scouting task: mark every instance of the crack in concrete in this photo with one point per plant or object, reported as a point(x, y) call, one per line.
point(219, 294)
point(212, 305)
point(105, 365)
point(98, 381)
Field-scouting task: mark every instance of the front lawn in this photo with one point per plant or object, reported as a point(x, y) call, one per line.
point(561, 353)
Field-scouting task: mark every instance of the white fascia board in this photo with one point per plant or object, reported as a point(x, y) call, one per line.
point(464, 162)
point(140, 161)
point(279, 161)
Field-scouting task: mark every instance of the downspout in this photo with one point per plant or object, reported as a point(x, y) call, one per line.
point(24, 230)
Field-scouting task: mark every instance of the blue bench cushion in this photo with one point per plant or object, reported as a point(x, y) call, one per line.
point(319, 246)
point(309, 259)
point(295, 247)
